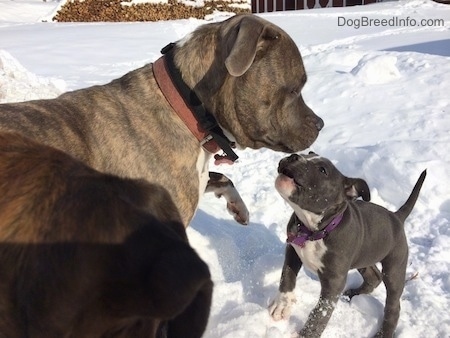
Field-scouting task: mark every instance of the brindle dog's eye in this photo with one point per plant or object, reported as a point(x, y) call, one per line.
point(323, 170)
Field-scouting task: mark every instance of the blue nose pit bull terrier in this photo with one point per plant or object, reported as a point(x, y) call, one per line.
point(331, 232)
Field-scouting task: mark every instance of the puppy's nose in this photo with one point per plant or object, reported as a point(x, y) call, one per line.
point(293, 158)
point(319, 123)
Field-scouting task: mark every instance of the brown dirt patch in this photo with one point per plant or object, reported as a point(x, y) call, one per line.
point(114, 11)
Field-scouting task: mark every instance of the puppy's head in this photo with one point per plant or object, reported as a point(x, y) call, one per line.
point(314, 184)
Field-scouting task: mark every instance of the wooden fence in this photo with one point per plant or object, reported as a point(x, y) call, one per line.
point(261, 6)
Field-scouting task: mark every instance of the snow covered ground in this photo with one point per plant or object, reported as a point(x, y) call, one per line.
point(383, 92)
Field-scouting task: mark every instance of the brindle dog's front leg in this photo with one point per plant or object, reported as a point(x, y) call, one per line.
point(221, 185)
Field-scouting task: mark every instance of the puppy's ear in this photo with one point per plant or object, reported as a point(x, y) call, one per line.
point(356, 187)
point(251, 36)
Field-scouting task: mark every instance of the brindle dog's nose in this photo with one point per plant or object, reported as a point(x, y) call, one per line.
point(319, 123)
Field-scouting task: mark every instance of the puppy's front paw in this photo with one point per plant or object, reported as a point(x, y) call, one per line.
point(280, 307)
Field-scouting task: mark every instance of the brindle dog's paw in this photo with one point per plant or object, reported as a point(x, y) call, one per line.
point(280, 307)
point(223, 186)
point(239, 211)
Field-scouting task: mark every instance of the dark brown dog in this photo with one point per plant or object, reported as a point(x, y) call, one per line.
point(86, 254)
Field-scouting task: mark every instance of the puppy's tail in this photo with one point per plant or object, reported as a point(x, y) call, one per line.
point(406, 208)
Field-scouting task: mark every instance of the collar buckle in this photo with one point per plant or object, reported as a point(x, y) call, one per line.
point(206, 139)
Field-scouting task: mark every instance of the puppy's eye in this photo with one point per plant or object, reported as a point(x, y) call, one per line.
point(323, 170)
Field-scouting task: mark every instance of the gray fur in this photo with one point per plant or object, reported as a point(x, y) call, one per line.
point(368, 234)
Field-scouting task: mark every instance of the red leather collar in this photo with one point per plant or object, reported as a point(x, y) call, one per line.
point(178, 104)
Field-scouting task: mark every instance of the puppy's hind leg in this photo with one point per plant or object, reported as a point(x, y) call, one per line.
point(372, 278)
point(394, 272)
point(221, 185)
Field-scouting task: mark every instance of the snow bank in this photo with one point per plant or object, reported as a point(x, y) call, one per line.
point(377, 69)
point(17, 84)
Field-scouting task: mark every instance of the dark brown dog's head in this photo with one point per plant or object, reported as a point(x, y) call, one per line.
point(92, 254)
point(313, 184)
point(250, 76)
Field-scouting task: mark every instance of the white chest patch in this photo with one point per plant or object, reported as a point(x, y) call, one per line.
point(203, 171)
point(307, 217)
point(311, 254)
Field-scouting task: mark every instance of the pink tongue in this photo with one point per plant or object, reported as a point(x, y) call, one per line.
point(222, 159)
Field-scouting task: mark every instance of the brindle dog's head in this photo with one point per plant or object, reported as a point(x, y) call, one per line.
point(249, 73)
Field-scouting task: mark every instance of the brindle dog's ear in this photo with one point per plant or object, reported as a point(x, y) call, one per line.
point(356, 187)
point(251, 36)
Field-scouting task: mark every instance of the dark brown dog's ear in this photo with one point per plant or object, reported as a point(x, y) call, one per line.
point(176, 278)
point(163, 275)
point(357, 187)
point(252, 36)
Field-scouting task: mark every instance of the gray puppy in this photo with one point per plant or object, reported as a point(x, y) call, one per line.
point(246, 75)
point(331, 232)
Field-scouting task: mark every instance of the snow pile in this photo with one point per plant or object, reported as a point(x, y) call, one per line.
point(17, 84)
point(377, 69)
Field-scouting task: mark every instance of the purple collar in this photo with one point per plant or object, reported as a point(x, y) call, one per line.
point(304, 234)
